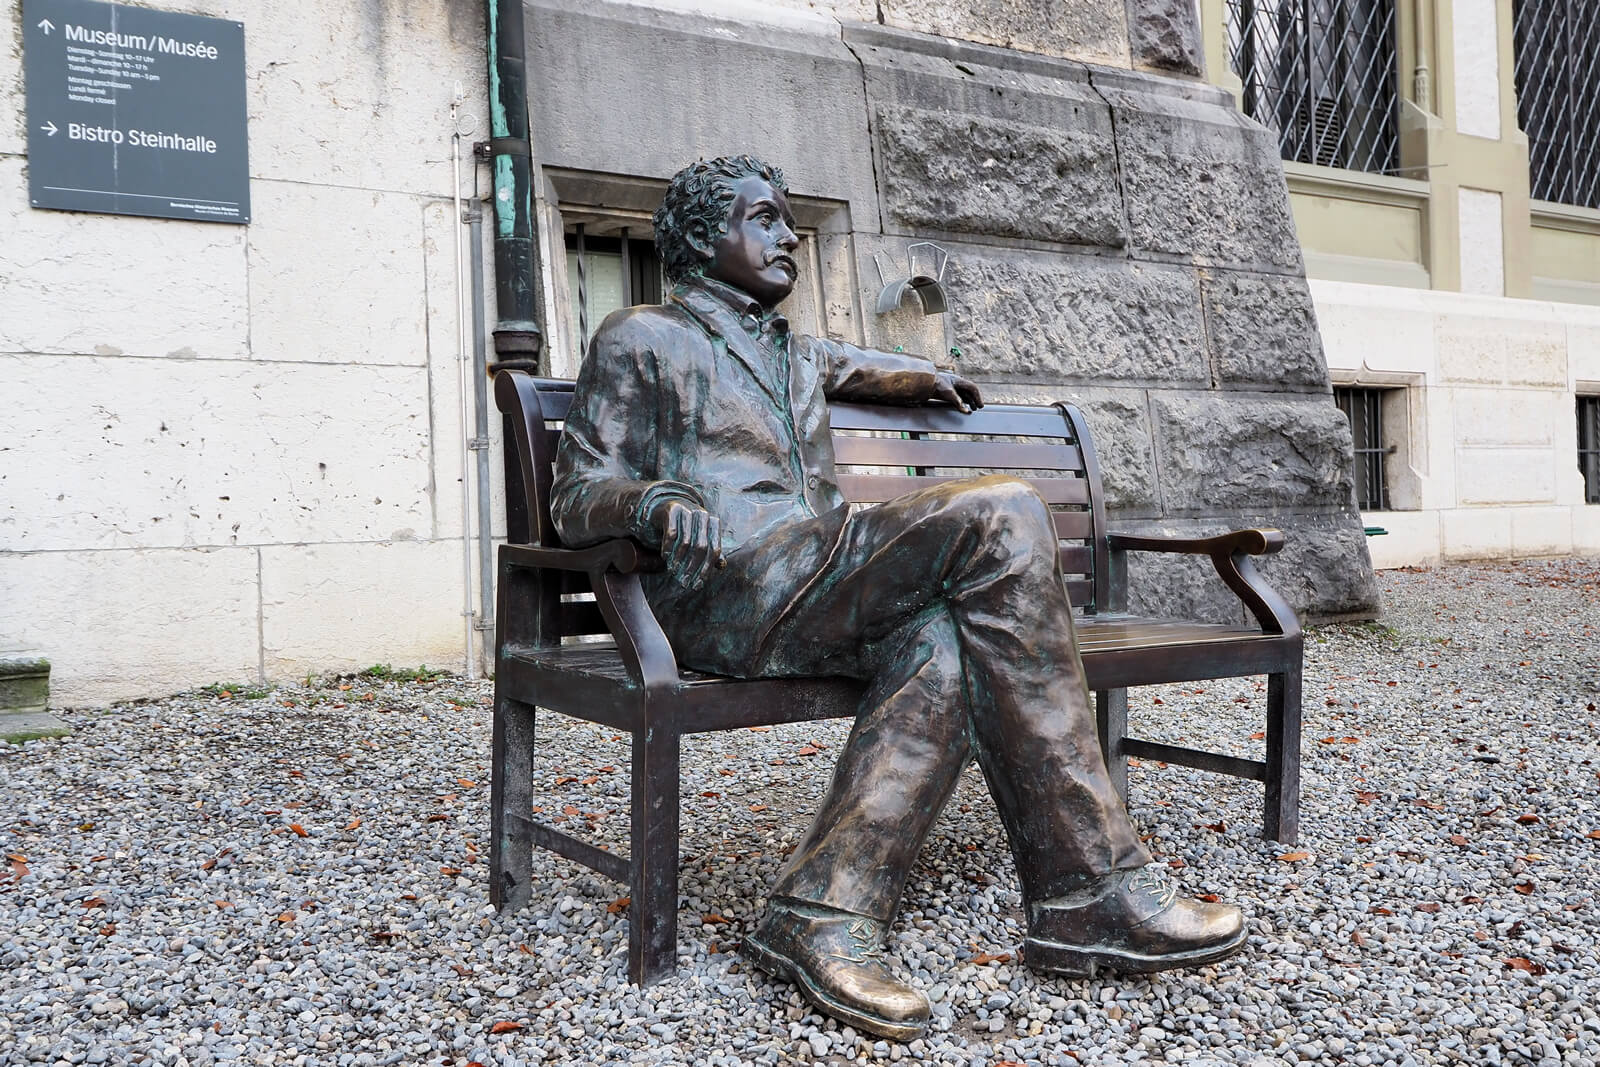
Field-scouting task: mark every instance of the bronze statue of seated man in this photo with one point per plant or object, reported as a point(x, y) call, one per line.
point(700, 427)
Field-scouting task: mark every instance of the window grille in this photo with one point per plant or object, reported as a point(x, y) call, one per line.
point(1364, 409)
point(1589, 446)
point(1324, 75)
point(1558, 97)
point(606, 273)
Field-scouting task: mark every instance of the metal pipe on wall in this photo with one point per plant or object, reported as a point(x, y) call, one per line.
point(480, 439)
point(517, 337)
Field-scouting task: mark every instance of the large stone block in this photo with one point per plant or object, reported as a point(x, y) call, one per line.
point(782, 85)
point(1095, 30)
point(1075, 318)
point(1263, 330)
point(306, 245)
point(974, 139)
point(979, 175)
point(1491, 351)
point(81, 283)
point(119, 625)
point(346, 606)
point(138, 453)
point(1203, 183)
point(1222, 453)
point(1165, 35)
point(1323, 570)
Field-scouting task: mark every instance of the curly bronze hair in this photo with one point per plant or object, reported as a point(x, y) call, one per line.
point(703, 192)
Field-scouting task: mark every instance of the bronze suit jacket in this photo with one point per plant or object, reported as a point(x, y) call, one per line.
point(701, 399)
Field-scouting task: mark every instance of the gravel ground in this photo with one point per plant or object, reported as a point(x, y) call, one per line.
point(299, 875)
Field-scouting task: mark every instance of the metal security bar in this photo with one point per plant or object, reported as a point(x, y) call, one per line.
point(1324, 74)
point(1589, 446)
point(1364, 409)
point(1558, 97)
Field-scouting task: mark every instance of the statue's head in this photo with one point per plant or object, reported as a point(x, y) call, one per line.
point(728, 218)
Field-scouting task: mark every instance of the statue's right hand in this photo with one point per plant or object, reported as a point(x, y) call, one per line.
point(691, 540)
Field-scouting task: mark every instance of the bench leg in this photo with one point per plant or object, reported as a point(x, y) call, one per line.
point(653, 916)
point(511, 805)
point(1111, 717)
point(1281, 819)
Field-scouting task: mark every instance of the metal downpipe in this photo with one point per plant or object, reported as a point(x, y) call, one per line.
point(517, 337)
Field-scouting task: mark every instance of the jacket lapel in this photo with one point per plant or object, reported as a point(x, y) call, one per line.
point(720, 322)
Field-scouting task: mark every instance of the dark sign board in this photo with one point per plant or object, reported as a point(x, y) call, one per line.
point(135, 112)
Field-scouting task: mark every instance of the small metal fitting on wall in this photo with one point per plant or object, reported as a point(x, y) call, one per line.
point(925, 264)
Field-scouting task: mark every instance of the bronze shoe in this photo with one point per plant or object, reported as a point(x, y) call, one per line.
point(1131, 922)
point(836, 958)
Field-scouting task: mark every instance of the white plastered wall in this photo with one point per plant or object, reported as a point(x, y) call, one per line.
point(233, 452)
point(1490, 435)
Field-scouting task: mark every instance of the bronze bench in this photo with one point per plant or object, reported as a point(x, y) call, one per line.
point(631, 682)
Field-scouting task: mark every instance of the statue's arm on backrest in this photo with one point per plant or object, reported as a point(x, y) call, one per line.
point(868, 376)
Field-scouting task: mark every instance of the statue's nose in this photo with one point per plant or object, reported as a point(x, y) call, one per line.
point(787, 240)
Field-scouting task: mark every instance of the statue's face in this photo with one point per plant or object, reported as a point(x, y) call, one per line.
point(756, 254)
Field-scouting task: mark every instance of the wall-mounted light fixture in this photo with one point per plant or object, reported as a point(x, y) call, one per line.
point(925, 263)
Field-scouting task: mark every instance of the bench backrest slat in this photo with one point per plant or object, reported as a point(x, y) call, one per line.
point(881, 453)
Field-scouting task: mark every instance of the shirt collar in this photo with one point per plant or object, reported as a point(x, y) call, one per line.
point(751, 315)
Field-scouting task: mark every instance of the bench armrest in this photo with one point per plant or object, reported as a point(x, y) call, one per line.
point(613, 568)
point(1230, 554)
point(620, 555)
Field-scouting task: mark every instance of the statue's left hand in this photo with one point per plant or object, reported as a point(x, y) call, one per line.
point(956, 391)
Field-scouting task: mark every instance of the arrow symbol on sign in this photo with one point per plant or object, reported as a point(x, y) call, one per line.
point(46, 25)
point(49, 128)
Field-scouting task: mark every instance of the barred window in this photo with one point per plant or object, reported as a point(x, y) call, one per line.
point(1589, 446)
point(608, 271)
point(1558, 97)
point(1324, 74)
point(1364, 409)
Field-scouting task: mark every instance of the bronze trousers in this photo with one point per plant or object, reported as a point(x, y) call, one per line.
point(950, 604)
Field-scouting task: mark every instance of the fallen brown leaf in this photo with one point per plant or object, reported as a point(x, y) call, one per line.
point(991, 957)
point(1259, 735)
point(1459, 840)
point(1520, 963)
point(1525, 888)
point(449, 872)
point(1431, 907)
point(299, 831)
point(108, 929)
point(620, 905)
point(714, 919)
point(504, 1027)
point(286, 917)
point(94, 902)
point(353, 824)
point(1528, 819)
point(1209, 898)
point(466, 783)
point(1294, 857)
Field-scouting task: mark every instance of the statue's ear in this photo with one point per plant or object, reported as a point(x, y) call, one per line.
point(698, 235)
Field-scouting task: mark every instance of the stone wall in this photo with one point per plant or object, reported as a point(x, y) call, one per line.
point(1118, 238)
point(232, 452)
